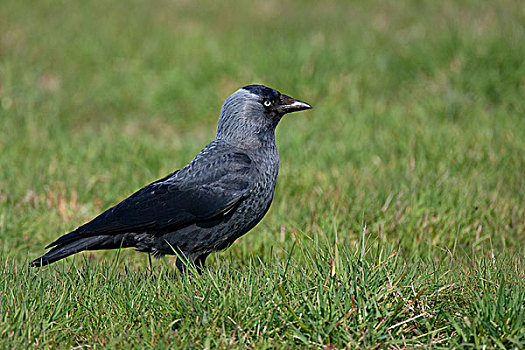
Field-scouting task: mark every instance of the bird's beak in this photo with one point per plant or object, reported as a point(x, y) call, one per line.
point(289, 104)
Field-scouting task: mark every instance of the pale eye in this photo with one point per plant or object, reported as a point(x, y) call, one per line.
point(267, 103)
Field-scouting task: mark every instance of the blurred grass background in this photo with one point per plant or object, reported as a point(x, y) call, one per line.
point(417, 136)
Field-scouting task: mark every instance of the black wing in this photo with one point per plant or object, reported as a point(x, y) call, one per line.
point(211, 185)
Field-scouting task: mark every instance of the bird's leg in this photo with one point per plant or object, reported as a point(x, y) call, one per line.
point(183, 264)
point(199, 263)
point(150, 264)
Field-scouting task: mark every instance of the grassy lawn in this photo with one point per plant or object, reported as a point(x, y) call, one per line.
point(399, 215)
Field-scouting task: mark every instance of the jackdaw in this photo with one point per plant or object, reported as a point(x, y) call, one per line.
point(205, 206)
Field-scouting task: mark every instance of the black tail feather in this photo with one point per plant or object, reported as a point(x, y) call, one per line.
point(87, 243)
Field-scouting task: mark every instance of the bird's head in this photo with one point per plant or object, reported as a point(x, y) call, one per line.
point(250, 115)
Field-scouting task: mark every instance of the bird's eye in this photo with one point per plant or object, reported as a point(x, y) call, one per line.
point(267, 103)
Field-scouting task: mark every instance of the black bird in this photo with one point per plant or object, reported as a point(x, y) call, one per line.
point(205, 206)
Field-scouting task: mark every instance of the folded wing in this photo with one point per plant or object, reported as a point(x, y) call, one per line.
point(205, 189)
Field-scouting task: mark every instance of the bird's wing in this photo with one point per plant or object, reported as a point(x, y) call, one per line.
point(210, 186)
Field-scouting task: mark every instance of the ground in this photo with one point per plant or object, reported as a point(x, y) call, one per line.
point(399, 215)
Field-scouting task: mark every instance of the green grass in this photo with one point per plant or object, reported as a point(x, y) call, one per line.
point(399, 215)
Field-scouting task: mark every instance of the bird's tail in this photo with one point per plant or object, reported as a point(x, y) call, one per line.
point(70, 248)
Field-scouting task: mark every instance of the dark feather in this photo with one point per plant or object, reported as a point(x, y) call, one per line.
point(187, 196)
